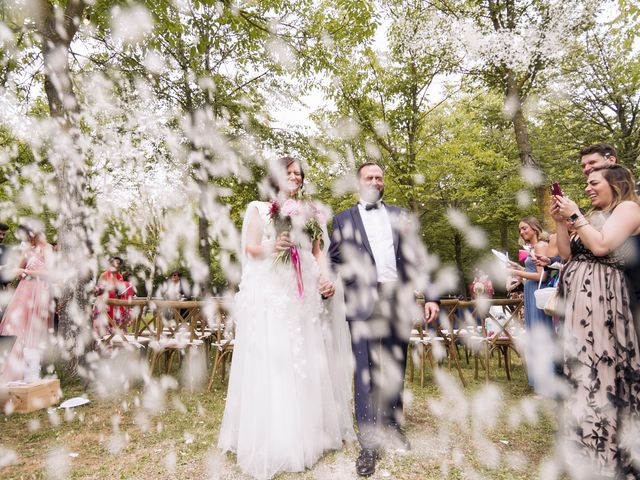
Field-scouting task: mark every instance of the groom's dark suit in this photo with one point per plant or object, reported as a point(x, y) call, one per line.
point(380, 315)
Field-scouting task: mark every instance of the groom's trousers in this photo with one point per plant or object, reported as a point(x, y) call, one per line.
point(380, 351)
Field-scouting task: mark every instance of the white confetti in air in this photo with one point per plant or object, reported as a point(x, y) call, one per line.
point(532, 176)
point(131, 24)
point(58, 463)
point(170, 460)
point(7, 456)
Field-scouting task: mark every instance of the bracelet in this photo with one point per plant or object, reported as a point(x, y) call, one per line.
point(581, 223)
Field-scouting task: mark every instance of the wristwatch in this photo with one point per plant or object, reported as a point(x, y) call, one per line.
point(574, 217)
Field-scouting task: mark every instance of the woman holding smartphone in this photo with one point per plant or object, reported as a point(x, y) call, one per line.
point(538, 325)
point(601, 351)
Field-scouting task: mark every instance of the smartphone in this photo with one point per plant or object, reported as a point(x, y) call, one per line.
point(555, 189)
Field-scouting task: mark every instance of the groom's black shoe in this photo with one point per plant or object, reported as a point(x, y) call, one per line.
point(397, 440)
point(401, 440)
point(366, 462)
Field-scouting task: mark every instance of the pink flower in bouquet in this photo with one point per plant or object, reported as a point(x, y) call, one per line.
point(290, 208)
point(318, 214)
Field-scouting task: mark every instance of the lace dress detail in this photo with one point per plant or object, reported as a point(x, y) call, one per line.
point(601, 363)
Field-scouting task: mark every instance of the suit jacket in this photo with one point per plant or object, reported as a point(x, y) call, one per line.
point(352, 257)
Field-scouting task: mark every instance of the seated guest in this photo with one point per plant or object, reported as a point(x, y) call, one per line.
point(176, 288)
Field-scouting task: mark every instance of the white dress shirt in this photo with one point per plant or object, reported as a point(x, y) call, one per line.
point(378, 227)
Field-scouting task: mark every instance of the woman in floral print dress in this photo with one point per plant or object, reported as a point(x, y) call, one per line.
point(602, 365)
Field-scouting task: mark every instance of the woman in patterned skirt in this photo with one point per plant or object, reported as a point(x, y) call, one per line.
point(601, 417)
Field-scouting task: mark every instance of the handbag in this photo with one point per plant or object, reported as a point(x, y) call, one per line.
point(542, 296)
point(549, 300)
point(554, 306)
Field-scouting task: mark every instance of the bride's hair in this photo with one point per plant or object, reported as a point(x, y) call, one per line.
point(281, 165)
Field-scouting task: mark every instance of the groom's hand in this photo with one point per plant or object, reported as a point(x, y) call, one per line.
point(326, 288)
point(431, 311)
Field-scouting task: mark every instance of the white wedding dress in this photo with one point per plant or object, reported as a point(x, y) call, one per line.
point(289, 395)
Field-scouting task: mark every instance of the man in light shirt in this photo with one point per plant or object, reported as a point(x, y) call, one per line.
point(376, 249)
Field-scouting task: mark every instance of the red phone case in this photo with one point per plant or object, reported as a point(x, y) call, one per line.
point(555, 189)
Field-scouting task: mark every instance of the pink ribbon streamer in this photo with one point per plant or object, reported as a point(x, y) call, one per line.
point(295, 261)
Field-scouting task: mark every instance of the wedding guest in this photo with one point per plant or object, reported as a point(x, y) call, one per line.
point(481, 285)
point(110, 286)
point(128, 292)
point(553, 255)
point(597, 156)
point(376, 249)
point(602, 155)
point(176, 287)
point(601, 349)
point(538, 325)
point(284, 407)
point(29, 314)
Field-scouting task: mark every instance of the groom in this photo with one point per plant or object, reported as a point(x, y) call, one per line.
point(377, 251)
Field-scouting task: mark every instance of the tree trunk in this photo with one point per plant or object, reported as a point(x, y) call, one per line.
point(202, 178)
point(204, 242)
point(457, 243)
point(56, 33)
point(412, 129)
point(504, 235)
point(514, 99)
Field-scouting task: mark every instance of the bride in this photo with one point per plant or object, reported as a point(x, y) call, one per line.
point(289, 394)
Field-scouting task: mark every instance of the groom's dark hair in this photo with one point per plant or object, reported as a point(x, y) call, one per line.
point(368, 164)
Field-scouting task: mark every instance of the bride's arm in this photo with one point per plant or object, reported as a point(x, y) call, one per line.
point(255, 228)
point(254, 246)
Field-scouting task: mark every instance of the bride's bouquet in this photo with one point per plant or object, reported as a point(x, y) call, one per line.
point(306, 216)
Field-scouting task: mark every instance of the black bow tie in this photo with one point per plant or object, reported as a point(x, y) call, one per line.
point(372, 206)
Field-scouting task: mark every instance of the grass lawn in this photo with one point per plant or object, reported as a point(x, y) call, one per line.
point(157, 429)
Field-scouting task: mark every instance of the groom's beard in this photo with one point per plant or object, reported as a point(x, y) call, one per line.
point(371, 194)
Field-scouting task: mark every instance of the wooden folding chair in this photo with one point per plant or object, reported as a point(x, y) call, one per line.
point(223, 342)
